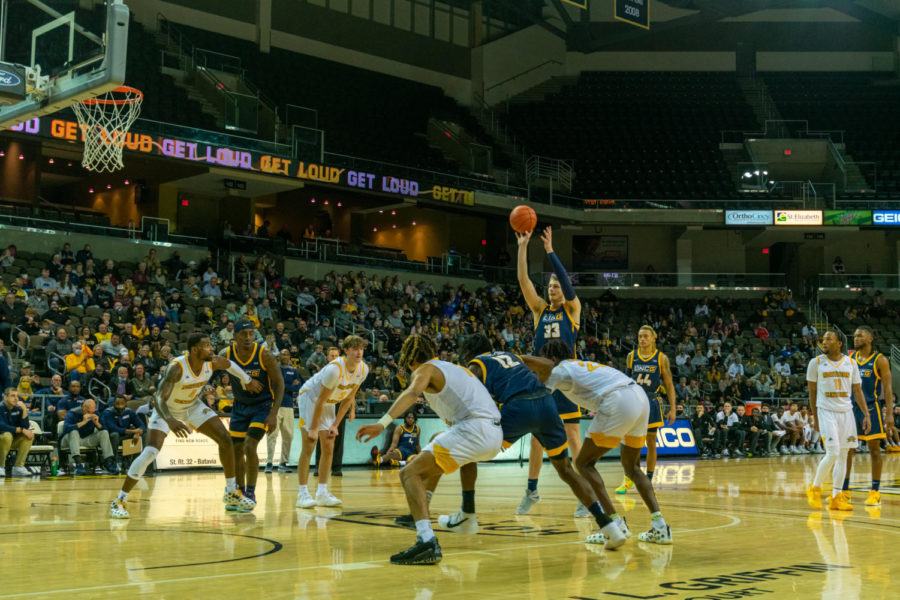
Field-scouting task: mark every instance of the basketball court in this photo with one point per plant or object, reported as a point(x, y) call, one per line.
point(741, 527)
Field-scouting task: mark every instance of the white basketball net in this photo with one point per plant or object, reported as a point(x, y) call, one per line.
point(105, 121)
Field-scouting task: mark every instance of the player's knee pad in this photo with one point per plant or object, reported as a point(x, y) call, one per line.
point(140, 464)
point(256, 433)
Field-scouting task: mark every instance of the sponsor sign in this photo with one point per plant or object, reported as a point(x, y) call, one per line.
point(748, 217)
point(250, 160)
point(197, 450)
point(890, 218)
point(848, 217)
point(12, 84)
point(675, 439)
point(798, 217)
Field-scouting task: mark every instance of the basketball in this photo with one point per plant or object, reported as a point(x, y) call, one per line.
point(523, 218)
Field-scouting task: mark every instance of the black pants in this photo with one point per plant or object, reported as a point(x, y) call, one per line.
point(338, 456)
point(752, 441)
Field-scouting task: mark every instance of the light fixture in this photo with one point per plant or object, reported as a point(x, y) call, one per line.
point(326, 203)
point(50, 161)
point(414, 223)
point(108, 186)
point(21, 156)
point(339, 204)
point(374, 229)
point(127, 182)
point(380, 212)
point(394, 226)
point(313, 200)
point(393, 212)
point(2, 153)
point(747, 174)
point(91, 190)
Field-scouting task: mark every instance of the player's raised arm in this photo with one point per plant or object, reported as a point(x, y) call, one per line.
point(572, 303)
point(421, 380)
point(535, 302)
point(161, 399)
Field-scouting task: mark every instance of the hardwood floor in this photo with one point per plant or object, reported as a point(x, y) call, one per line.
point(742, 528)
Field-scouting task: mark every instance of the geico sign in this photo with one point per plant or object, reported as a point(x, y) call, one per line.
point(886, 217)
point(675, 437)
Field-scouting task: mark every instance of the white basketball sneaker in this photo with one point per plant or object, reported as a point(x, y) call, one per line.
point(325, 498)
point(459, 522)
point(614, 535)
point(118, 510)
point(530, 499)
point(581, 511)
point(623, 525)
point(657, 535)
point(304, 500)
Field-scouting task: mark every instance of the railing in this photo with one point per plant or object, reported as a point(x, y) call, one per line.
point(551, 174)
point(780, 128)
point(431, 177)
point(522, 74)
point(895, 355)
point(855, 281)
point(739, 281)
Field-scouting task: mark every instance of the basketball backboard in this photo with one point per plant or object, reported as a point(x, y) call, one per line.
point(58, 69)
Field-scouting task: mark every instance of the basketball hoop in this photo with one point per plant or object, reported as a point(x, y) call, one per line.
point(105, 121)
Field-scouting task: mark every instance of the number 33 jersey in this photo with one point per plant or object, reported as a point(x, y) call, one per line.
point(555, 325)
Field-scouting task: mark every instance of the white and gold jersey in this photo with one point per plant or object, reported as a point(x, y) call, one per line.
point(336, 377)
point(834, 382)
point(187, 389)
point(463, 397)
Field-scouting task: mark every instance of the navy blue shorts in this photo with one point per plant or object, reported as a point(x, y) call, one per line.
point(568, 411)
point(245, 416)
point(655, 420)
point(539, 418)
point(876, 432)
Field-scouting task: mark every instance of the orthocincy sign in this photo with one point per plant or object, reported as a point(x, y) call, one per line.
point(748, 217)
point(886, 217)
point(798, 217)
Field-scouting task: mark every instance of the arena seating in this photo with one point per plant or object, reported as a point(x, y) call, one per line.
point(639, 135)
point(863, 105)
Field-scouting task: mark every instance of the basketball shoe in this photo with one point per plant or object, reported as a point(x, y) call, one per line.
point(530, 499)
point(420, 553)
point(118, 510)
point(459, 522)
point(814, 497)
point(627, 484)
point(838, 503)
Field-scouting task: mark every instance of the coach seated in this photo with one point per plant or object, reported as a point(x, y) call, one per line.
point(121, 422)
point(15, 432)
point(82, 427)
point(45, 400)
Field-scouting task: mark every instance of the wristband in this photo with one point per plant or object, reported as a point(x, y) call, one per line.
point(386, 420)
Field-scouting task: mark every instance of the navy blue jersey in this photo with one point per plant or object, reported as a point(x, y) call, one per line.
point(555, 325)
point(505, 375)
point(289, 374)
point(871, 381)
point(409, 439)
point(646, 372)
point(255, 368)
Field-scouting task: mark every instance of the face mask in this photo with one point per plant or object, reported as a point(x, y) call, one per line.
point(77, 351)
